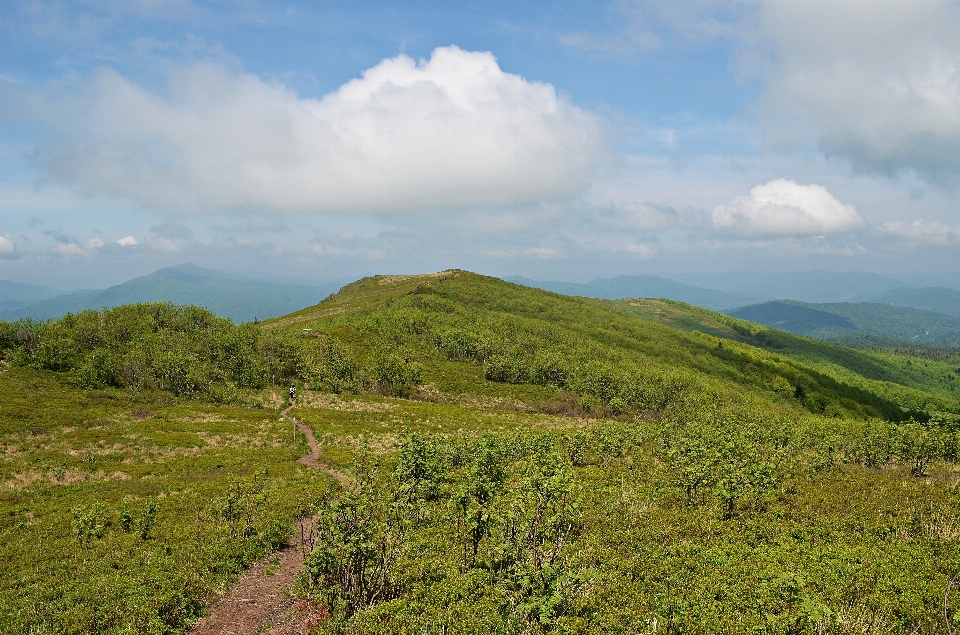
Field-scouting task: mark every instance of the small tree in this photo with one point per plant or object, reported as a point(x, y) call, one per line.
point(88, 522)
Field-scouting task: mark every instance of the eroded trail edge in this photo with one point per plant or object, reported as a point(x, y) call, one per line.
point(258, 601)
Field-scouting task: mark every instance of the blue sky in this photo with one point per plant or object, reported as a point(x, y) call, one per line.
point(566, 140)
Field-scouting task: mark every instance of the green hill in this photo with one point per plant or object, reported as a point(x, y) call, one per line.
point(886, 366)
point(794, 317)
point(848, 322)
point(521, 461)
point(235, 296)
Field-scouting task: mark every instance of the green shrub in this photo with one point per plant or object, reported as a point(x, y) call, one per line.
point(919, 445)
point(336, 370)
point(394, 375)
point(89, 522)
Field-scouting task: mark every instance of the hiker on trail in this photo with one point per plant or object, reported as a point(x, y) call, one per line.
point(293, 393)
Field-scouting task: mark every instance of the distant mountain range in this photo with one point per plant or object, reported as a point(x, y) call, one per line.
point(729, 290)
point(856, 323)
point(871, 303)
point(14, 295)
point(804, 286)
point(238, 297)
point(643, 287)
point(937, 299)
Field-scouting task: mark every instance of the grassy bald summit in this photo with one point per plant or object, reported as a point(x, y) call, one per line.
point(524, 336)
point(523, 462)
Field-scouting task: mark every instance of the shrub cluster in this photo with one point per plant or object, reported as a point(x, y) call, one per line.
point(916, 444)
point(162, 346)
point(502, 509)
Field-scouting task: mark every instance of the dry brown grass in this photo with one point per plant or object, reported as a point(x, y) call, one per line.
point(23, 480)
point(334, 402)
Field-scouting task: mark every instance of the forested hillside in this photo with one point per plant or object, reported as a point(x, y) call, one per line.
point(857, 323)
point(520, 462)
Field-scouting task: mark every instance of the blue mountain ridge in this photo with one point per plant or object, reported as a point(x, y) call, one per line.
point(236, 296)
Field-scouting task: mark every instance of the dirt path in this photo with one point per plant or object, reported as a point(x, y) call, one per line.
point(313, 459)
point(258, 602)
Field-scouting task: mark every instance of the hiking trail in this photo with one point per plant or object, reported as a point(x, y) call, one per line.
point(258, 602)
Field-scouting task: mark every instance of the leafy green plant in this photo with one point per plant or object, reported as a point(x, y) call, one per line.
point(536, 523)
point(919, 445)
point(420, 468)
point(359, 538)
point(147, 519)
point(473, 498)
point(392, 374)
point(89, 522)
point(125, 519)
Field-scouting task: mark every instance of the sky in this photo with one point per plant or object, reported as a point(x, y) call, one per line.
point(554, 140)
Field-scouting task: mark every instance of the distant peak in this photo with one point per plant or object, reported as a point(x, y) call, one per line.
point(188, 273)
point(189, 267)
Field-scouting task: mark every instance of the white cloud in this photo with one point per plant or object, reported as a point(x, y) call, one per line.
point(69, 249)
point(127, 241)
point(649, 217)
point(876, 82)
point(323, 249)
point(785, 208)
point(94, 243)
point(926, 232)
point(451, 131)
point(7, 246)
point(164, 244)
point(539, 253)
point(640, 251)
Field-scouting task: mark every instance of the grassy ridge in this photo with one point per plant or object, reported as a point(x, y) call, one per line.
point(525, 462)
point(886, 370)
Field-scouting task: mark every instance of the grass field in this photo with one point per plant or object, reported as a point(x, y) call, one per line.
point(522, 462)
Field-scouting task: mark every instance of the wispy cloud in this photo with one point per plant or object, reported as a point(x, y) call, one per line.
point(649, 216)
point(69, 249)
point(539, 253)
point(924, 232)
point(640, 251)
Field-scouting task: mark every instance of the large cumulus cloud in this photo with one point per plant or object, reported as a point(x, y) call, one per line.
point(877, 82)
point(786, 208)
point(451, 131)
point(873, 82)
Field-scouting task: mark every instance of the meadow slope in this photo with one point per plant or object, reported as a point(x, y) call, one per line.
point(521, 462)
